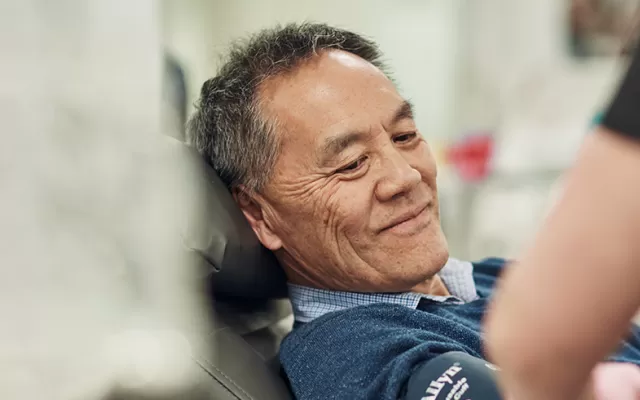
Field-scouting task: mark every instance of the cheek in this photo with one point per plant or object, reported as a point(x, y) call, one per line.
point(346, 210)
point(327, 210)
point(309, 210)
point(424, 162)
point(292, 215)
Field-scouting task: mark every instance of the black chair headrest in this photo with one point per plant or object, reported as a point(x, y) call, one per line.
point(238, 266)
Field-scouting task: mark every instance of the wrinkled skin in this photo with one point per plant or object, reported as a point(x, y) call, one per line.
point(352, 167)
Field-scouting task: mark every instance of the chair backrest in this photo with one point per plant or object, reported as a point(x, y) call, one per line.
point(242, 361)
point(250, 311)
point(238, 265)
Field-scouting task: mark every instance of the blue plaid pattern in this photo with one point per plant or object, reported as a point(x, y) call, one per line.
point(310, 303)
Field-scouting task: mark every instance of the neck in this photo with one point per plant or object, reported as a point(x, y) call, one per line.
point(432, 286)
point(297, 274)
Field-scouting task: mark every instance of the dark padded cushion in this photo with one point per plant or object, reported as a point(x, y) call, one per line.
point(237, 265)
point(238, 371)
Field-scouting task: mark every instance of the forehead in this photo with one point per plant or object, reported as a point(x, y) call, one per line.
point(333, 92)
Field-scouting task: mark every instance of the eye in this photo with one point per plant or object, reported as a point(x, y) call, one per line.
point(354, 166)
point(405, 137)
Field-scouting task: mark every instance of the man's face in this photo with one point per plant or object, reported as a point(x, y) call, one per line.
point(353, 203)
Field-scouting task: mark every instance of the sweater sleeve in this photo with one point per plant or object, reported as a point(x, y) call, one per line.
point(368, 352)
point(623, 116)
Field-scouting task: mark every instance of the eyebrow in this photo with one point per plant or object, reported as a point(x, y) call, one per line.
point(335, 145)
point(405, 111)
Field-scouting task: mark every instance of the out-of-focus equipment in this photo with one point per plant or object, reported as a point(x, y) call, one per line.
point(471, 156)
point(454, 375)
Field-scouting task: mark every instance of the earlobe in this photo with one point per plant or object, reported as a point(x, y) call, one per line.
point(253, 212)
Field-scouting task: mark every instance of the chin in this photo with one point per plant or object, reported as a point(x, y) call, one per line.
point(416, 265)
point(431, 256)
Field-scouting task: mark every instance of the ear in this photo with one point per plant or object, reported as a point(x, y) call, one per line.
point(253, 211)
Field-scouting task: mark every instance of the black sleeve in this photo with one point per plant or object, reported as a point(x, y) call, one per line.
point(454, 375)
point(623, 115)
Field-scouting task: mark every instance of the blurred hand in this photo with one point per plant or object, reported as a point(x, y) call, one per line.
point(616, 381)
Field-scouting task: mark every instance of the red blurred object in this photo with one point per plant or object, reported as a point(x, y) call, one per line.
point(471, 156)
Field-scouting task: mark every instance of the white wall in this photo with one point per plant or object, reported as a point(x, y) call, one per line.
point(521, 81)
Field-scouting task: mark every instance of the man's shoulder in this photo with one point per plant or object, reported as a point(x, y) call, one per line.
point(489, 265)
point(342, 349)
point(378, 322)
point(486, 273)
point(385, 315)
point(336, 323)
point(384, 323)
point(371, 349)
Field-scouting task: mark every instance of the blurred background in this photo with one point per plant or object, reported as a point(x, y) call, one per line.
point(505, 91)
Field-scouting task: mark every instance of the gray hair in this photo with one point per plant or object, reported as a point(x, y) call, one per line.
point(228, 127)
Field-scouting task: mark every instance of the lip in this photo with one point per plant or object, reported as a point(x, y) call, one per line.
point(409, 222)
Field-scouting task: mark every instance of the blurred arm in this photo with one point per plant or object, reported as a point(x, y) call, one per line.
point(569, 301)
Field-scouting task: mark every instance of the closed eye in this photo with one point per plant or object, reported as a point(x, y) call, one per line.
point(405, 137)
point(354, 166)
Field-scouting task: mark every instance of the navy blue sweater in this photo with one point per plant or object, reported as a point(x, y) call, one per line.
point(369, 352)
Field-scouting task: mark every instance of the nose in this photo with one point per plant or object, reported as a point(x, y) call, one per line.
point(398, 177)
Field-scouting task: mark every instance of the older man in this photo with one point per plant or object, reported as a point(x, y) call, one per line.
point(323, 156)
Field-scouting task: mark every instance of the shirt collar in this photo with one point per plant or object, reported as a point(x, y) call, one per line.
point(310, 303)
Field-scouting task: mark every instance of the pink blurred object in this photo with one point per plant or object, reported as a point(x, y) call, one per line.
point(471, 156)
point(613, 381)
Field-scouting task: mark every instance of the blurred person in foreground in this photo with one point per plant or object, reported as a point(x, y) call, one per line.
point(570, 299)
point(323, 156)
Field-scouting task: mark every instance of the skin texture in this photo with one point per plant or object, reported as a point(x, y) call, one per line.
point(568, 302)
point(352, 165)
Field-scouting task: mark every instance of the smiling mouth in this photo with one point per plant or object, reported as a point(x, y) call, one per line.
point(411, 222)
